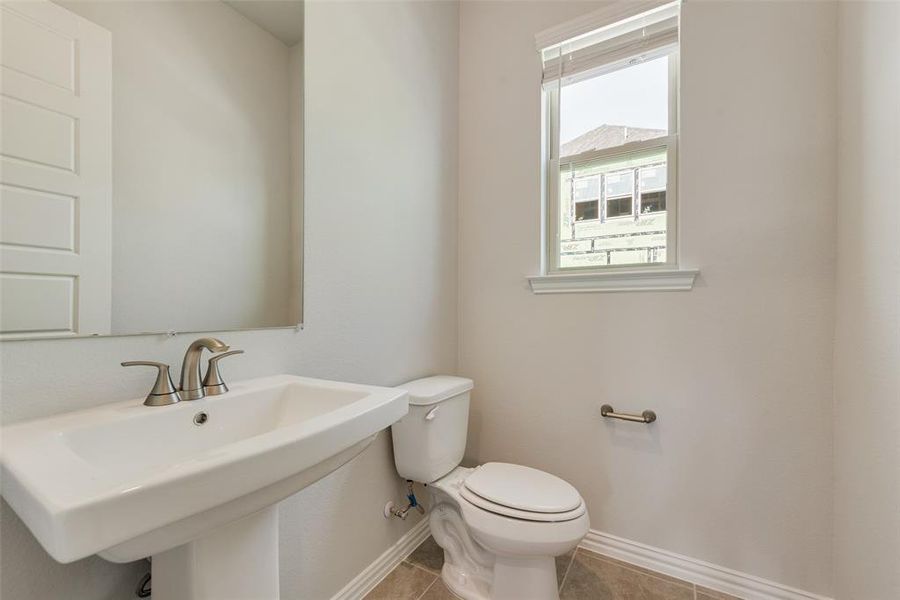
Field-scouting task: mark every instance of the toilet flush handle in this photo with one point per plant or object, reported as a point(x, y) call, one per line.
point(431, 414)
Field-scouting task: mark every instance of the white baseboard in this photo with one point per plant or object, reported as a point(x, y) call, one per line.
point(363, 583)
point(742, 585)
point(692, 570)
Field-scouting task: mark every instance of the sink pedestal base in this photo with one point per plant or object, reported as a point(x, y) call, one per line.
point(238, 560)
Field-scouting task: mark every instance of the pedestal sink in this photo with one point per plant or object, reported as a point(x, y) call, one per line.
point(194, 485)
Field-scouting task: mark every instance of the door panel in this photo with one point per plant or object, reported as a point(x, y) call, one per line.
point(36, 135)
point(40, 220)
point(37, 302)
point(33, 47)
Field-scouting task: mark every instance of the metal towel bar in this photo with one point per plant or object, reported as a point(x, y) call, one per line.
point(648, 416)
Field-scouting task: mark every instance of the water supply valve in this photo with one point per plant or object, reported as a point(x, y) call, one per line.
point(391, 510)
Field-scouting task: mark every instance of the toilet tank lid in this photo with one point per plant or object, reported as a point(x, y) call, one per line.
point(431, 390)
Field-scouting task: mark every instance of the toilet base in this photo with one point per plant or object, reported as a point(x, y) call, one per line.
point(514, 579)
point(525, 578)
point(468, 569)
point(473, 572)
point(461, 585)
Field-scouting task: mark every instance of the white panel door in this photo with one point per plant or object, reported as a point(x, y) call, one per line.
point(55, 172)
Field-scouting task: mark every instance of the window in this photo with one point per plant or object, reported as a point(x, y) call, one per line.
point(653, 189)
point(653, 202)
point(587, 211)
point(586, 198)
point(610, 137)
point(619, 194)
point(618, 207)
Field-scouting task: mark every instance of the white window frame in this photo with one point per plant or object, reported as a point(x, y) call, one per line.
point(631, 277)
point(552, 195)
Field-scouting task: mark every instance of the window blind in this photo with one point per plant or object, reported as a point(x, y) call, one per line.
point(640, 37)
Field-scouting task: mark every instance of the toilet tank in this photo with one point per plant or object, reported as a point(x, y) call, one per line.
point(430, 440)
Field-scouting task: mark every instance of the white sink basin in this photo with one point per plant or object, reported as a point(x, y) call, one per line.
point(126, 480)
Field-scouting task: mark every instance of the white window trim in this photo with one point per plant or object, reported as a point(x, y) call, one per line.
point(655, 279)
point(602, 17)
point(668, 276)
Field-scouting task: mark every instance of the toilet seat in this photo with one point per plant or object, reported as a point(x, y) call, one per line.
point(522, 493)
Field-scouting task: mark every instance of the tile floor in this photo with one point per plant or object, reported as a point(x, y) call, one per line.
point(582, 575)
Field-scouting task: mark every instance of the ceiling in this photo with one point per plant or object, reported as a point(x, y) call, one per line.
point(282, 18)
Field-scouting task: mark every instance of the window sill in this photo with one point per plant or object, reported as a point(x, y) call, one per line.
point(636, 280)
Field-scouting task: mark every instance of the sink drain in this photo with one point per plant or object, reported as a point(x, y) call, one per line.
point(200, 418)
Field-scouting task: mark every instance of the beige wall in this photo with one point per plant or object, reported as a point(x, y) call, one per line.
point(867, 347)
point(737, 471)
point(380, 294)
point(201, 167)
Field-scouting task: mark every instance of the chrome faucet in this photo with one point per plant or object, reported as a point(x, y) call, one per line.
point(191, 386)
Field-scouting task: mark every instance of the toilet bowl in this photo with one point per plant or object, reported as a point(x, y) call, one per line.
point(492, 550)
point(500, 525)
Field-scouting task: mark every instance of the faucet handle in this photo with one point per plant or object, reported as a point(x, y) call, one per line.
point(213, 384)
point(163, 392)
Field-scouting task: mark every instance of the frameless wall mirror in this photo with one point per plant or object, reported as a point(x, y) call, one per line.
point(151, 176)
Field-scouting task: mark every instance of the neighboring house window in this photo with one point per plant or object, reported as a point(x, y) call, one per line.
point(653, 189)
point(611, 135)
point(619, 194)
point(586, 198)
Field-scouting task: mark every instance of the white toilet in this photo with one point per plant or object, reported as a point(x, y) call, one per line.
point(500, 525)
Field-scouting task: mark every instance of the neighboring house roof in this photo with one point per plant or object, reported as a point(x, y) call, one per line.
point(608, 136)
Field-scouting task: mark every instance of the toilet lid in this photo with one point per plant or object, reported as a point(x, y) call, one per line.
point(524, 515)
point(523, 489)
